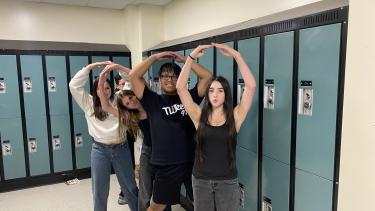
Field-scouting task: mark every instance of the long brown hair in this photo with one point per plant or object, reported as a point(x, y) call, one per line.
point(98, 111)
point(230, 125)
point(127, 117)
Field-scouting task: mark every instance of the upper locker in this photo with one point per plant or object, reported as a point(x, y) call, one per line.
point(318, 75)
point(59, 113)
point(35, 112)
point(277, 121)
point(11, 135)
point(193, 78)
point(247, 139)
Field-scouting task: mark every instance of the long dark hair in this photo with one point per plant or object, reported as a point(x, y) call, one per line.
point(98, 111)
point(230, 125)
point(127, 117)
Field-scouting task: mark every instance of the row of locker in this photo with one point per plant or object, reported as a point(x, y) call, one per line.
point(300, 67)
point(38, 132)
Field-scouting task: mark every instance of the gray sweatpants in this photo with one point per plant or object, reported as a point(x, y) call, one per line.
point(224, 195)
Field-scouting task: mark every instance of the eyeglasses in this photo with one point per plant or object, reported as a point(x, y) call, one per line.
point(169, 77)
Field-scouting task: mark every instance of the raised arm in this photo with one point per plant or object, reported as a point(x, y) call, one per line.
point(104, 101)
point(77, 83)
point(240, 111)
point(136, 75)
point(191, 107)
point(203, 74)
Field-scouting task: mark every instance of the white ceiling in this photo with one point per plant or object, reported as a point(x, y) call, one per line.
point(109, 4)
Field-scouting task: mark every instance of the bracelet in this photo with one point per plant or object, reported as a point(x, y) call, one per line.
point(192, 57)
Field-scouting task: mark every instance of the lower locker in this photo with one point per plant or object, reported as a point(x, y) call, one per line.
point(247, 166)
point(312, 193)
point(37, 142)
point(82, 141)
point(275, 183)
point(13, 148)
point(61, 143)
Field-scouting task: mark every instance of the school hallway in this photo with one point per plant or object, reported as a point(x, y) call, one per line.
point(61, 197)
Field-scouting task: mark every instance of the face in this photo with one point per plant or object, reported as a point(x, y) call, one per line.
point(168, 82)
point(216, 94)
point(130, 102)
point(107, 90)
point(121, 84)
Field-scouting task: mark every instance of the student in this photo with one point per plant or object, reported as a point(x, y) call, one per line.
point(109, 146)
point(171, 129)
point(147, 173)
point(215, 183)
point(120, 83)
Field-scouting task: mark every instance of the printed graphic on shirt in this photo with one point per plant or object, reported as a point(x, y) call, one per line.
point(170, 110)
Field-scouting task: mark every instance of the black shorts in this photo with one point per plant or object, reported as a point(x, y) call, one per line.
point(167, 183)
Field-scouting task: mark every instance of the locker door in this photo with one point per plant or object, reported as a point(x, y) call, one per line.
point(316, 121)
point(59, 113)
point(11, 134)
point(35, 111)
point(224, 66)
point(247, 139)
point(193, 78)
point(81, 135)
point(277, 108)
point(207, 60)
point(96, 72)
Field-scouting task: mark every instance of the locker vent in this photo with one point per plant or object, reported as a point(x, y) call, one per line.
point(266, 204)
point(322, 18)
point(279, 27)
point(225, 38)
point(246, 33)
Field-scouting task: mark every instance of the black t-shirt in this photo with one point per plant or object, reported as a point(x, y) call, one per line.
point(144, 125)
point(171, 129)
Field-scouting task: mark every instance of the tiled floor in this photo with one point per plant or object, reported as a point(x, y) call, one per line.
point(61, 197)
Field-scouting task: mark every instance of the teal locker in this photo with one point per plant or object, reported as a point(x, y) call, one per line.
point(76, 64)
point(37, 142)
point(33, 86)
point(316, 120)
point(57, 85)
point(278, 76)
point(96, 72)
point(11, 136)
point(193, 77)
point(61, 143)
point(9, 91)
point(224, 66)
point(35, 111)
point(207, 60)
point(248, 135)
point(312, 192)
point(319, 63)
point(276, 183)
point(247, 166)
point(124, 61)
point(82, 141)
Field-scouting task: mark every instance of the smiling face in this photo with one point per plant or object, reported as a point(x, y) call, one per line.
point(107, 90)
point(216, 94)
point(168, 76)
point(130, 101)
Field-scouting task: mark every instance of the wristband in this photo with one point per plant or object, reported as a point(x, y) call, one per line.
point(192, 57)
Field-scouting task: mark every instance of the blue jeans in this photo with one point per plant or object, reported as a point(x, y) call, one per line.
point(146, 179)
point(102, 158)
point(219, 195)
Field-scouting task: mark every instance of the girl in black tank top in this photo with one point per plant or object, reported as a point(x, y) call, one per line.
point(215, 181)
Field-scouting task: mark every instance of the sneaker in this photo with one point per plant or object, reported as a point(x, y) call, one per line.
point(121, 199)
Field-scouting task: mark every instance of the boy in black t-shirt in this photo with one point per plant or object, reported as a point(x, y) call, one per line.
point(171, 129)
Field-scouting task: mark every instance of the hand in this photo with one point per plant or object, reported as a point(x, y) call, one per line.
point(164, 55)
point(98, 65)
point(179, 58)
point(199, 51)
point(226, 50)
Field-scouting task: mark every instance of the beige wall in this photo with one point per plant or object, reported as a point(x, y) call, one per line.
point(49, 22)
point(188, 17)
point(357, 171)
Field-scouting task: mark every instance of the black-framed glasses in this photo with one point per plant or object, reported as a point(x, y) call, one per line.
point(170, 77)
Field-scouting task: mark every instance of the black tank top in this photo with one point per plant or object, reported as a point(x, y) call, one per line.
point(215, 165)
